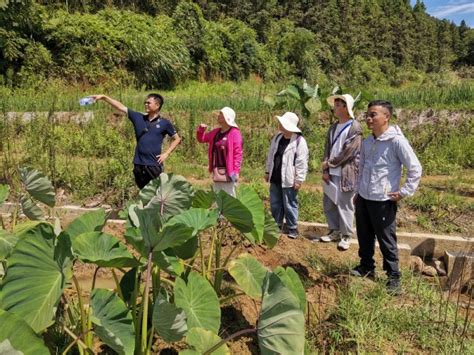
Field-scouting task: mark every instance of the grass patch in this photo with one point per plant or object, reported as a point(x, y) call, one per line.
point(367, 319)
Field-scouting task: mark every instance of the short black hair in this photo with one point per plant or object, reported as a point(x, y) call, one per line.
point(158, 98)
point(383, 103)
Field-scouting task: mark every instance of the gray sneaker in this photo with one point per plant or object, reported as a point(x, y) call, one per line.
point(345, 242)
point(333, 236)
point(292, 233)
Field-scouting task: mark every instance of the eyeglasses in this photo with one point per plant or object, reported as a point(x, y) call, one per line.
point(370, 115)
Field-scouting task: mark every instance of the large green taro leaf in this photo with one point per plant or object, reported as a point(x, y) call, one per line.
point(134, 237)
point(38, 186)
point(169, 194)
point(168, 261)
point(198, 219)
point(17, 337)
point(149, 223)
point(4, 190)
point(249, 274)
point(30, 209)
point(235, 212)
point(280, 326)
point(203, 199)
point(199, 301)
point(103, 250)
point(271, 232)
point(113, 321)
point(36, 277)
point(169, 320)
point(202, 340)
point(291, 280)
point(188, 249)
point(174, 234)
point(92, 221)
point(252, 201)
point(127, 283)
point(31, 228)
point(7, 243)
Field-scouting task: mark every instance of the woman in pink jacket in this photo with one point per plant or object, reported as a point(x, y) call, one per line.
point(225, 150)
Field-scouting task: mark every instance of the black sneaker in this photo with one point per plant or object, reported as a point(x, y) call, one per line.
point(360, 271)
point(393, 286)
point(293, 234)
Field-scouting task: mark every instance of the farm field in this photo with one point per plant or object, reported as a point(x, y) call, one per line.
point(89, 164)
point(91, 264)
point(87, 152)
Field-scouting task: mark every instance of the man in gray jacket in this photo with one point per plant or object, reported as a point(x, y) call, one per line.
point(383, 154)
point(340, 168)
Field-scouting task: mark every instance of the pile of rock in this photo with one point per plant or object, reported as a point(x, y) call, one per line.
point(457, 266)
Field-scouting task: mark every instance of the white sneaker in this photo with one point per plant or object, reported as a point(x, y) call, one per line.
point(345, 242)
point(333, 236)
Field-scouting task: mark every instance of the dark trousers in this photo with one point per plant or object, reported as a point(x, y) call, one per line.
point(145, 173)
point(377, 219)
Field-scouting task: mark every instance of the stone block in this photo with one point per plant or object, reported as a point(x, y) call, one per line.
point(460, 269)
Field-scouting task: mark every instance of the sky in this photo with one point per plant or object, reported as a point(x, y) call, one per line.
point(453, 10)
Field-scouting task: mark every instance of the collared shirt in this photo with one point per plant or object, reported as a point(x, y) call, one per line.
point(150, 136)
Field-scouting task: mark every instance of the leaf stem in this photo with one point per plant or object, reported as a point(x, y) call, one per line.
point(209, 264)
point(230, 337)
point(144, 332)
point(94, 278)
point(117, 284)
point(81, 305)
point(78, 340)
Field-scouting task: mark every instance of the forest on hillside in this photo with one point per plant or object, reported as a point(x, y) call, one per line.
point(160, 43)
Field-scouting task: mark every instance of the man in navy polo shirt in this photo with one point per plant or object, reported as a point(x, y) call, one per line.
point(150, 130)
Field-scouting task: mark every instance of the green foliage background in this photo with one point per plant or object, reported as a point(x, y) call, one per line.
point(158, 44)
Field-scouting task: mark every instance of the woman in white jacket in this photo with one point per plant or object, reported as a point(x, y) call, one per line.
point(286, 168)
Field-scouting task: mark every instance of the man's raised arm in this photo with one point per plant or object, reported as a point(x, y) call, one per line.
point(112, 102)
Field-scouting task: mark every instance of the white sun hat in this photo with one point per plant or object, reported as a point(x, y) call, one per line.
point(289, 121)
point(348, 99)
point(229, 116)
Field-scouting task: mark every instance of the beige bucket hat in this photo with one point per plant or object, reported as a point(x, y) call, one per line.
point(289, 121)
point(348, 99)
point(229, 116)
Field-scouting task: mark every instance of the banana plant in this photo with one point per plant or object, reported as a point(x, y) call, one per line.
point(305, 96)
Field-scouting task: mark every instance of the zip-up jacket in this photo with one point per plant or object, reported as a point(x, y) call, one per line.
point(234, 149)
point(381, 162)
point(294, 165)
point(348, 158)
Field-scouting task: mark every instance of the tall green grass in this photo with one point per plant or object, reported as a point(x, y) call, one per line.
point(365, 319)
point(243, 96)
point(457, 96)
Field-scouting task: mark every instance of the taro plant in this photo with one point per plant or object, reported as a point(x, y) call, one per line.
point(35, 188)
point(171, 281)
